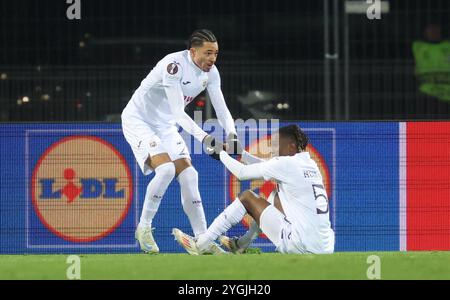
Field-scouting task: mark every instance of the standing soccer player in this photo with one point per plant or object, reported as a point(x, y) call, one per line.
point(296, 215)
point(149, 126)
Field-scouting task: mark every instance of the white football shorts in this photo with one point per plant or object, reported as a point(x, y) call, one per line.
point(279, 231)
point(146, 141)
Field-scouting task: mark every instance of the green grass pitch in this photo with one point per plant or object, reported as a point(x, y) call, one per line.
point(266, 266)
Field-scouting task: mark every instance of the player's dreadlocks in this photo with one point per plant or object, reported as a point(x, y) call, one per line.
point(294, 132)
point(200, 36)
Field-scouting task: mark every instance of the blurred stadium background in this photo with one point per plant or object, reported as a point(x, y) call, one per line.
point(85, 70)
point(310, 60)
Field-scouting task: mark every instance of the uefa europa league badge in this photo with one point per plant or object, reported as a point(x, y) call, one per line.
point(172, 69)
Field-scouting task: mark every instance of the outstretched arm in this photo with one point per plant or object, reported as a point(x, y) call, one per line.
point(222, 112)
point(249, 159)
point(241, 171)
point(274, 168)
point(220, 107)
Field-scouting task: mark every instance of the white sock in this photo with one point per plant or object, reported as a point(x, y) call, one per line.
point(232, 215)
point(251, 235)
point(155, 191)
point(191, 200)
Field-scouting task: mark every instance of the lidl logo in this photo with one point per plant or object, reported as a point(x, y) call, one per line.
point(81, 188)
point(89, 188)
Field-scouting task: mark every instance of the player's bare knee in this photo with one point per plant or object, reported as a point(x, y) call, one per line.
point(247, 196)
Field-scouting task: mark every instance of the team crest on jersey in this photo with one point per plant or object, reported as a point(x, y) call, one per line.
point(172, 69)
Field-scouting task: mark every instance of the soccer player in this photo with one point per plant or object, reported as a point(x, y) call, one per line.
point(296, 215)
point(149, 126)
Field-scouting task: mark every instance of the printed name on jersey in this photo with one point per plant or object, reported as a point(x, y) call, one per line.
point(172, 68)
point(310, 174)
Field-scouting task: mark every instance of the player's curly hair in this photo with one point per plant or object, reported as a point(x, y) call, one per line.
point(294, 132)
point(199, 36)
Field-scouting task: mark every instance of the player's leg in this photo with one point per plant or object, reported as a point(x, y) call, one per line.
point(151, 156)
point(190, 196)
point(187, 177)
point(232, 215)
point(254, 229)
point(267, 215)
point(248, 201)
point(253, 204)
point(158, 160)
point(164, 173)
point(239, 244)
point(272, 221)
point(164, 170)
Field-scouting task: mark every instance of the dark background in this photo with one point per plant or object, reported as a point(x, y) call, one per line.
point(86, 70)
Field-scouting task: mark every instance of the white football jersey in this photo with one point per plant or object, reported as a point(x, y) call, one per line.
point(149, 102)
point(304, 199)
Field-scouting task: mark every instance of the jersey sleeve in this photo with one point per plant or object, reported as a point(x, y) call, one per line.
point(218, 102)
point(249, 159)
point(275, 168)
point(238, 169)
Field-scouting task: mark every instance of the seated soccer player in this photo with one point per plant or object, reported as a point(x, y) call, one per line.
point(295, 218)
